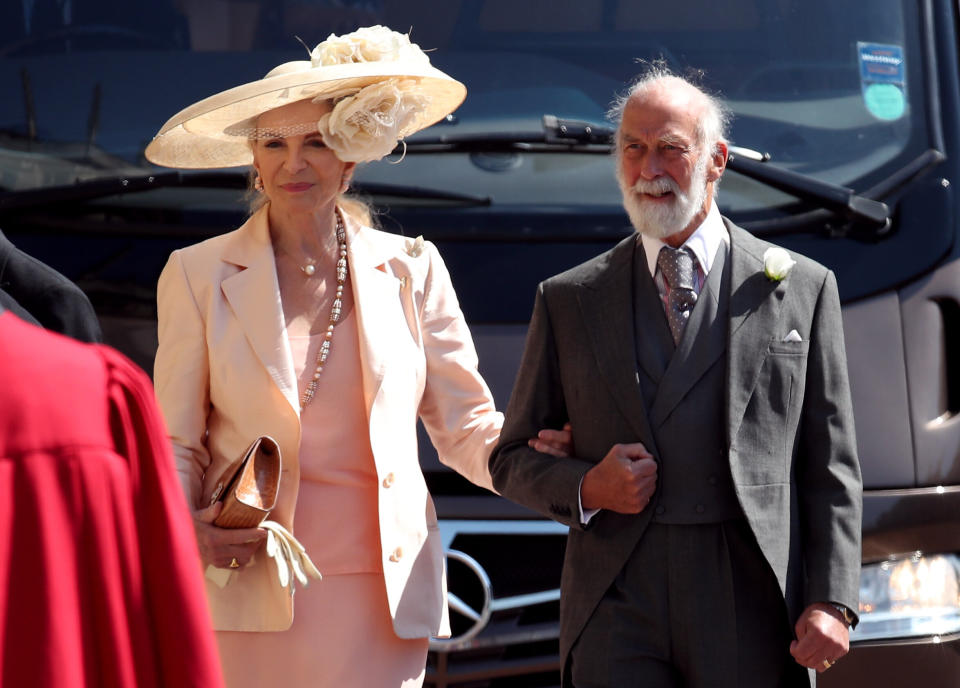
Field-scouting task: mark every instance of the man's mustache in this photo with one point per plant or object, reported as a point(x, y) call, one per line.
point(655, 187)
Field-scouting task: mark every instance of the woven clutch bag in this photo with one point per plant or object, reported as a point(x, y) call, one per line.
point(249, 487)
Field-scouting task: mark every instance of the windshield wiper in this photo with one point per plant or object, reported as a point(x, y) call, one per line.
point(556, 135)
point(420, 193)
point(564, 135)
point(887, 187)
point(104, 187)
point(839, 199)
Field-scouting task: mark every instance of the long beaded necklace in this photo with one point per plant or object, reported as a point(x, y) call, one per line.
point(335, 311)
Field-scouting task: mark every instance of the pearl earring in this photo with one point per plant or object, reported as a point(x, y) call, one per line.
point(258, 183)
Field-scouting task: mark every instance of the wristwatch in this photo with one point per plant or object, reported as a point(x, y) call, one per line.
point(848, 616)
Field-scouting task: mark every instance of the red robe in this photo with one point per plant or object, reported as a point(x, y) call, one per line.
point(100, 578)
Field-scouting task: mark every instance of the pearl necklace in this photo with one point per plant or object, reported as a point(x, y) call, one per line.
point(335, 311)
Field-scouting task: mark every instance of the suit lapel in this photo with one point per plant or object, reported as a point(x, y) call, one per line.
point(606, 306)
point(703, 341)
point(254, 296)
point(755, 303)
point(376, 300)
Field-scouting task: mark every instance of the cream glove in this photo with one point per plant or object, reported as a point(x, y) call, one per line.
point(290, 555)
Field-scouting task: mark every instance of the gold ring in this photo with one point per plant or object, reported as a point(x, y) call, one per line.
point(827, 664)
point(234, 564)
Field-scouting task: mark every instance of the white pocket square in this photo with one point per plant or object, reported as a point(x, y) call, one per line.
point(793, 336)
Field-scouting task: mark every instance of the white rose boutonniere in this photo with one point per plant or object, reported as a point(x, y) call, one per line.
point(777, 263)
point(415, 247)
point(366, 126)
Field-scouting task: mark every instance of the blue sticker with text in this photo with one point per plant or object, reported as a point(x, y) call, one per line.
point(883, 79)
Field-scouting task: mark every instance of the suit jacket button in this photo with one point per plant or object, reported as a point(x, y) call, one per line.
point(388, 480)
point(661, 510)
point(396, 554)
point(699, 508)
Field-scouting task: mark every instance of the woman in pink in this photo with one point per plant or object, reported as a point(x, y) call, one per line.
point(307, 325)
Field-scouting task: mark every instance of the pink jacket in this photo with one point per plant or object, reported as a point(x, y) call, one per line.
point(224, 375)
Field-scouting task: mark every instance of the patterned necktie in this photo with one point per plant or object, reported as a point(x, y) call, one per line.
point(677, 266)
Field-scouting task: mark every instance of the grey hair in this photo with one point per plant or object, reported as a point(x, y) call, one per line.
point(712, 128)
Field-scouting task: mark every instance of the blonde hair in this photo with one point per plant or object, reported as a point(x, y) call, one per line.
point(358, 209)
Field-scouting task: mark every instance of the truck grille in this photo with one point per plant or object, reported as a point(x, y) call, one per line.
point(504, 595)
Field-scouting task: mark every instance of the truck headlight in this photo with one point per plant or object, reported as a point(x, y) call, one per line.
point(909, 596)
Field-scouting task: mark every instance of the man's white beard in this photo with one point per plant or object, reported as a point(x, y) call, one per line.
point(660, 220)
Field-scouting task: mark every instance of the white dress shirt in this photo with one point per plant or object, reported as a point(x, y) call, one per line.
point(704, 243)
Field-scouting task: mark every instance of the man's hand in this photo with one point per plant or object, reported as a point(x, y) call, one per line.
point(623, 481)
point(554, 442)
point(822, 637)
point(225, 547)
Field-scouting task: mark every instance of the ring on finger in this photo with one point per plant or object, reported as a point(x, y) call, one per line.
point(234, 564)
point(827, 664)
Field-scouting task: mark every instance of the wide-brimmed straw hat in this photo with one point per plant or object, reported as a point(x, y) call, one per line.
point(407, 94)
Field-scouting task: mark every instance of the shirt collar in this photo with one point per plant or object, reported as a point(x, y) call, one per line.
point(704, 242)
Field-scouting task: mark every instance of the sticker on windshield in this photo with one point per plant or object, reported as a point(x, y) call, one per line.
point(883, 80)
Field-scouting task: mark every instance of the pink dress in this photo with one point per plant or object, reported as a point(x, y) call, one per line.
point(342, 633)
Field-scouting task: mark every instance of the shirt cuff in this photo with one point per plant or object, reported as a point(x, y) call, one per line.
point(585, 516)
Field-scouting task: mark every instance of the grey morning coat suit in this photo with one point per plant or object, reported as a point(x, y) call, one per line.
point(774, 439)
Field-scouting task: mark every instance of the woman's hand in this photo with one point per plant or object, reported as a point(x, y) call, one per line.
point(221, 547)
point(554, 442)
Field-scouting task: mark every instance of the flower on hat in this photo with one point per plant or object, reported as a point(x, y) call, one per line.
point(368, 44)
point(366, 126)
point(777, 263)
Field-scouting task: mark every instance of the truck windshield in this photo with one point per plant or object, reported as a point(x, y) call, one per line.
point(832, 90)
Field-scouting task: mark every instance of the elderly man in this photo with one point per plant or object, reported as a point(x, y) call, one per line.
point(714, 494)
